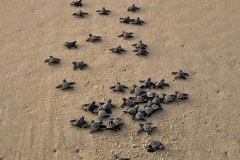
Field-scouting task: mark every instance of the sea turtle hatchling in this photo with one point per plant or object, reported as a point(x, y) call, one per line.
point(161, 84)
point(180, 95)
point(118, 50)
point(147, 83)
point(79, 65)
point(103, 11)
point(126, 20)
point(132, 110)
point(52, 60)
point(168, 98)
point(102, 113)
point(139, 116)
point(126, 35)
point(146, 127)
point(93, 38)
point(139, 99)
point(154, 146)
point(107, 106)
point(116, 157)
point(90, 107)
point(150, 94)
point(180, 74)
point(77, 3)
point(70, 45)
point(115, 124)
point(66, 85)
point(133, 8)
point(141, 52)
point(148, 110)
point(137, 90)
point(81, 123)
point(140, 44)
point(128, 102)
point(138, 21)
point(97, 126)
point(80, 14)
point(119, 87)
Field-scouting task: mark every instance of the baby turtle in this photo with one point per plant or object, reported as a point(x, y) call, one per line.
point(52, 60)
point(81, 123)
point(126, 20)
point(90, 107)
point(147, 83)
point(133, 8)
point(97, 126)
point(168, 98)
point(126, 35)
point(103, 114)
point(156, 100)
point(107, 106)
point(70, 45)
point(66, 85)
point(150, 94)
point(137, 90)
point(80, 14)
point(103, 11)
point(148, 110)
point(161, 84)
point(114, 124)
point(140, 99)
point(146, 127)
point(180, 74)
point(138, 21)
point(118, 50)
point(93, 38)
point(132, 110)
point(118, 87)
point(179, 95)
point(77, 3)
point(140, 116)
point(141, 52)
point(79, 65)
point(140, 45)
point(128, 102)
point(116, 157)
point(154, 146)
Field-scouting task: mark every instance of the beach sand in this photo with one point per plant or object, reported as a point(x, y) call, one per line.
point(200, 37)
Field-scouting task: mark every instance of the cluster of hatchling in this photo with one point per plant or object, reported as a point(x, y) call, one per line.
point(142, 105)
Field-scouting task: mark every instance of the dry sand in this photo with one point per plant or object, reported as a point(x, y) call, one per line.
point(34, 117)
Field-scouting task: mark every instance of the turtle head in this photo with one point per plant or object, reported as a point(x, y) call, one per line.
point(82, 117)
point(74, 63)
point(119, 46)
point(140, 41)
point(124, 99)
point(138, 18)
point(90, 35)
point(164, 94)
point(133, 5)
point(93, 102)
point(149, 79)
point(50, 56)
point(118, 83)
point(109, 101)
point(64, 80)
point(103, 8)
point(180, 70)
point(176, 92)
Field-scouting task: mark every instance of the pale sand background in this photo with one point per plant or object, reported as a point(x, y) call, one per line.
point(204, 127)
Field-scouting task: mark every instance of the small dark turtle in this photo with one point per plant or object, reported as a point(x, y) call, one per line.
point(103, 114)
point(126, 35)
point(133, 8)
point(161, 84)
point(79, 65)
point(118, 87)
point(90, 107)
point(138, 21)
point(81, 123)
point(150, 94)
point(146, 127)
point(97, 126)
point(147, 83)
point(52, 60)
point(118, 50)
point(140, 116)
point(154, 146)
point(126, 20)
point(168, 98)
point(148, 110)
point(70, 45)
point(80, 14)
point(141, 52)
point(128, 102)
point(132, 110)
point(179, 95)
point(114, 124)
point(139, 99)
point(77, 3)
point(116, 157)
point(66, 85)
point(93, 38)
point(107, 106)
point(140, 45)
point(137, 90)
point(180, 74)
point(157, 100)
point(103, 11)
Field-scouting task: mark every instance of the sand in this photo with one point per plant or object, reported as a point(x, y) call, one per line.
point(201, 37)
